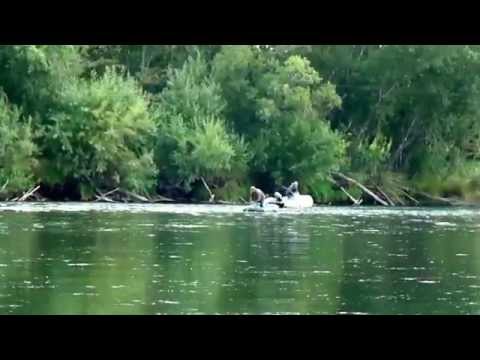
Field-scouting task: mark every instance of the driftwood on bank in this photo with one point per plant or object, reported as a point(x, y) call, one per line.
point(136, 196)
point(363, 187)
point(401, 196)
point(212, 195)
point(111, 192)
point(405, 192)
point(385, 196)
point(4, 185)
point(355, 201)
point(121, 195)
point(398, 199)
point(160, 198)
point(436, 200)
point(104, 197)
point(352, 199)
point(28, 194)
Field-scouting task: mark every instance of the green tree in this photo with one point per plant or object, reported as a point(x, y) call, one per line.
point(193, 139)
point(281, 108)
point(33, 76)
point(17, 151)
point(101, 136)
point(149, 64)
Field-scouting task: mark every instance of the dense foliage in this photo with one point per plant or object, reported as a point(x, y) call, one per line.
point(101, 136)
point(193, 140)
point(169, 119)
point(17, 151)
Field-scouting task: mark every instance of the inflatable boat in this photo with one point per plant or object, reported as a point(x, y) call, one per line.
point(297, 201)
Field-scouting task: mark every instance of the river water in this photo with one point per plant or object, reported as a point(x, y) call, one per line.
point(81, 258)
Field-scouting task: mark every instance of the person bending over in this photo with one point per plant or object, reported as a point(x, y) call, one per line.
point(257, 195)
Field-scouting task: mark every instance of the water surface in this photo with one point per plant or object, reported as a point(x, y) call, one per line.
point(82, 258)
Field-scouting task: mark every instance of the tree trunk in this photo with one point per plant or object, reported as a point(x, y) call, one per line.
point(212, 195)
point(385, 196)
point(136, 196)
point(29, 193)
point(355, 201)
point(397, 156)
point(363, 187)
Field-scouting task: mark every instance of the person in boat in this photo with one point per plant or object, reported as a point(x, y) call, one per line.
point(292, 189)
point(257, 195)
point(279, 200)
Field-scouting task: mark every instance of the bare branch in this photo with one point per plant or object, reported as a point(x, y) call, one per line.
point(28, 193)
point(212, 195)
point(363, 187)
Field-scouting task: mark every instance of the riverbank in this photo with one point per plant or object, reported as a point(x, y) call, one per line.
point(438, 202)
point(352, 193)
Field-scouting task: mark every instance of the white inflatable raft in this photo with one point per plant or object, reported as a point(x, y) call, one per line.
point(296, 201)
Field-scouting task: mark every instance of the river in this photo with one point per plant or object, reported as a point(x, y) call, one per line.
point(77, 258)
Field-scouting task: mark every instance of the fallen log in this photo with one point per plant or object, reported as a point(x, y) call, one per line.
point(136, 196)
point(363, 187)
point(212, 195)
point(385, 196)
point(28, 194)
point(39, 198)
point(160, 198)
point(410, 197)
point(104, 198)
point(4, 186)
point(435, 200)
point(111, 192)
point(355, 201)
point(398, 199)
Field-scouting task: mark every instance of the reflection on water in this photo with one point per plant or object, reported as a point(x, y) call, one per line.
point(183, 259)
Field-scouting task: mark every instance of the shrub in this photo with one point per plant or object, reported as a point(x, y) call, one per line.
point(193, 140)
point(17, 151)
point(102, 136)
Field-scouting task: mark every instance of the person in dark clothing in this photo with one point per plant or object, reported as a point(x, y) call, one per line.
point(257, 195)
point(279, 200)
point(292, 189)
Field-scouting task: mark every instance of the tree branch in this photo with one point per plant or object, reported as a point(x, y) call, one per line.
point(355, 201)
point(363, 187)
point(212, 195)
point(403, 145)
point(28, 193)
